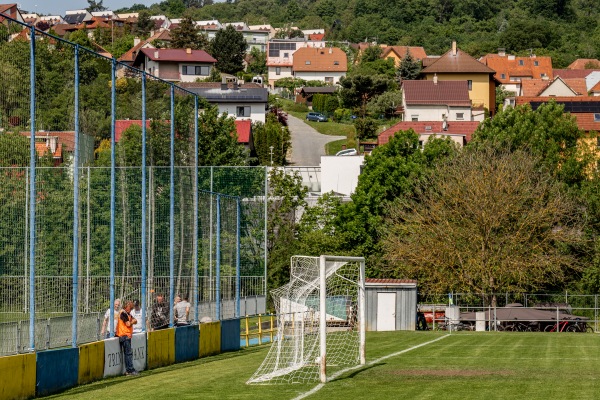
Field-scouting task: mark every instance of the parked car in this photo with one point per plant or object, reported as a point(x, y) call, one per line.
point(318, 117)
point(347, 152)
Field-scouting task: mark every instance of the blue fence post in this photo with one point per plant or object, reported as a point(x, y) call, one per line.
point(195, 244)
point(76, 203)
point(32, 192)
point(237, 258)
point(143, 166)
point(218, 263)
point(113, 167)
point(172, 211)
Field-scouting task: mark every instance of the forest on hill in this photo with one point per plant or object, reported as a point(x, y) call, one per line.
point(563, 29)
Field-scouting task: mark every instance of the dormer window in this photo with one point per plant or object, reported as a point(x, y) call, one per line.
point(596, 117)
point(307, 62)
point(336, 63)
point(535, 63)
point(502, 76)
point(521, 62)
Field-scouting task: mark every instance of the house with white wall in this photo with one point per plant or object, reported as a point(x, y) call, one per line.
point(280, 56)
point(326, 64)
point(437, 101)
point(178, 65)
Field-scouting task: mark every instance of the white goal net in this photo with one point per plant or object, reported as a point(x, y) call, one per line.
point(320, 321)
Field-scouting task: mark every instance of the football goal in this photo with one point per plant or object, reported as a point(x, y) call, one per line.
point(320, 320)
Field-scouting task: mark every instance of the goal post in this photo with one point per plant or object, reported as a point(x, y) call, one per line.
point(321, 320)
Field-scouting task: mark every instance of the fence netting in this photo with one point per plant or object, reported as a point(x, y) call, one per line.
point(169, 226)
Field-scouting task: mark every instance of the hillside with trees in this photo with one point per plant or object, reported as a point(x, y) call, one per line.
point(563, 29)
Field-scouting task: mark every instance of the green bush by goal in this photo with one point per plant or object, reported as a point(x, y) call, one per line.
point(320, 320)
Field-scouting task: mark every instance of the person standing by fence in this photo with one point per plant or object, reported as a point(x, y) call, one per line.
point(124, 332)
point(105, 331)
point(182, 311)
point(159, 319)
point(136, 313)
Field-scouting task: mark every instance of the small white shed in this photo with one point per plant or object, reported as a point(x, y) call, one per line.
point(391, 304)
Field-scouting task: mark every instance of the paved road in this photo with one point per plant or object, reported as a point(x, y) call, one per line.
point(308, 145)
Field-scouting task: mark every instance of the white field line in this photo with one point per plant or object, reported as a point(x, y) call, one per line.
point(337, 374)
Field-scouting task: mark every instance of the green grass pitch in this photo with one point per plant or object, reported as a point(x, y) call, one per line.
point(503, 365)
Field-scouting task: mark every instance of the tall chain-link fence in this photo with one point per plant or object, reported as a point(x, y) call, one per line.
point(105, 194)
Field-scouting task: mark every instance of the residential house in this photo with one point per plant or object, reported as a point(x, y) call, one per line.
point(31, 18)
point(585, 63)
point(459, 132)
point(591, 76)
point(129, 57)
point(456, 65)
point(179, 65)
point(52, 20)
point(512, 71)
point(320, 64)
point(12, 11)
point(76, 17)
point(437, 101)
point(265, 28)
point(397, 53)
point(243, 128)
point(61, 145)
point(242, 102)
point(255, 38)
point(280, 56)
point(161, 22)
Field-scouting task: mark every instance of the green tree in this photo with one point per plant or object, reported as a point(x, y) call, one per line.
point(271, 134)
point(94, 6)
point(229, 48)
point(547, 133)
point(366, 128)
point(409, 68)
point(385, 103)
point(391, 171)
point(188, 36)
point(144, 24)
point(487, 222)
point(258, 62)
point(371, 53)
point(357, 90)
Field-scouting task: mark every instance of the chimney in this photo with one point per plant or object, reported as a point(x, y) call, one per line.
point(235, 85)
point(136, 41)
point(454, 47)
point(501, 51)
point(188, 51)
point(223, 83)
point(435, 79)
point(330, 50)
point(156, 54)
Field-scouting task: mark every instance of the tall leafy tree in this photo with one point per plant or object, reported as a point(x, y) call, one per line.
point(144, 24)
point(357, 90)
point(258, 62)
point(188, 36)
point(487, 222)
point(271, 134)
point(229, 48)
point(94, 6)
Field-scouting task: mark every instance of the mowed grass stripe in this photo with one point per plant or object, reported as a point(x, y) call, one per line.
point(487, 365)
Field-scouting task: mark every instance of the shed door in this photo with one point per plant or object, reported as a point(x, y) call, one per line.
point(386, 311)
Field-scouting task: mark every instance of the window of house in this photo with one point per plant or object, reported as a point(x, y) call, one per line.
point(503, 76)
point(195, 70)
point(202, 70)
point(277, 70)
point(243, 111)
point(336, 63)
point(307, 62)
point(535, 63)
point(460, 116)
point(414, 117)
point(521, 62)
point(329, 79)
point(596, 117)
point(470, 84)
point(420, 144)
point(543, 75)
point(286, 55)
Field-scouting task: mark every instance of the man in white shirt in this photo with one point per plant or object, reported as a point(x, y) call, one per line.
point(136, 313)
point(182, 311)
point(105, 331)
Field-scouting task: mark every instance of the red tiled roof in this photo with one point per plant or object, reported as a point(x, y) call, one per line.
point(577, 84)
point(122, 125)
point(324, 59)
point(178, 55)
point(416, 52)
point(435, 127)
point(243, 127)
point(6, 7)
point(130, 54)
point(580, 63)
point(459, 63)
point(572, 73)
point(455, 93)
point(217, 85)
point(316, 36)
point(389, 281)
point(533, 87)
point(586, 122)
point(596, 88)
point(510, 66)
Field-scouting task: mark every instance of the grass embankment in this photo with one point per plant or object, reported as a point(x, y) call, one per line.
point(463, 365)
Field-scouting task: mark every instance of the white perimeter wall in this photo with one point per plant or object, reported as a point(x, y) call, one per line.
point(340, 173)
